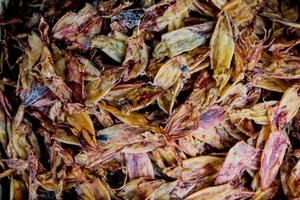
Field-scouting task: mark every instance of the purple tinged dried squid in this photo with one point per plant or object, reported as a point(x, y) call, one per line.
point(139, 165)
point(293, 181)
point(235, 163)
point(272, 157)
point(136, 58)
point(77, 29)
point(149, 99)
point(159, 16)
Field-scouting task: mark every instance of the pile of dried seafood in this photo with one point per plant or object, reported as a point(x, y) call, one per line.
point(158, 100)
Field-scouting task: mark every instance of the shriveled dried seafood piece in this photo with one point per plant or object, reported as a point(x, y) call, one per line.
point(165, 13)
point(182, 40)
point(272, 157)
point(113, 46)
point(193, 169)
point(97, 89)
point(136, 58)
point(139, 165)
point(78, 29)
point(151, 99)
point(170, 72)
point(226, 191)
point(235, 162)
point(222, 48)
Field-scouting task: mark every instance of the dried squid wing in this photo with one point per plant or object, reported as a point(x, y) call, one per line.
point(97, 89)
point(169, 73)
point(235, 163)
point(140, 98)
point(167, 100)
point(91, 71)
point(272, 84)
point(195, 168)
point(159, 16)
point(136, 58)
point(113, 47)
point(132, 119)
point(222, 49)
point(258, 113)
point(183, 40)
point(82, 123)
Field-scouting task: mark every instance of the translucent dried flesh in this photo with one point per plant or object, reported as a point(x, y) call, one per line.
point(169, 99)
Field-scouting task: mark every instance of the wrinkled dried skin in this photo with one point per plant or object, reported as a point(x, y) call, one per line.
point(160, 15)
point(181, 122)
point(247, 53)
point(235, 163)
point(258, 113)
point(194, 169)
point(138, 165)
point(182, 40)
point(167, 100)
point(284, 68)
point(136, 58)
point(78, 29)
point(273, 84)
point(93, 189)
point(113, 47)
point(206, 131)
point(170, 72)
point(74, 78)
point(170, 99)
point(226, 191)
point(97, 89)
point(139, 98)
point(222, 48)
point(83, 124)
point(139, 188)
point(164, 191)
point(45, 68)
point(132, 119)
point(293, 181)
point(242, 11)
point(120, 91)
point(289, 105)
point(272, 158)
